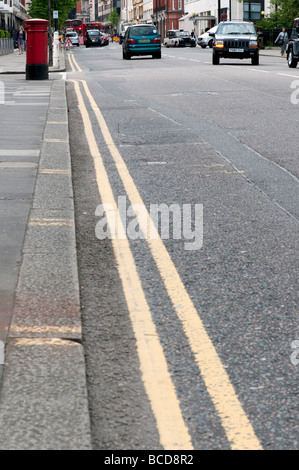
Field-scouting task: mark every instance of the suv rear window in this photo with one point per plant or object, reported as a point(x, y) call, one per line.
point(143, 31)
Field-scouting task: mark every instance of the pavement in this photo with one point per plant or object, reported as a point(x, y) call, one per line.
point(271, 52)
point(43, 391)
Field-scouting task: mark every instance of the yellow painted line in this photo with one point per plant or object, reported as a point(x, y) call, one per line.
point(71, 62)
point(49, 171)
point(235, 422)
point(76, 63)
point(44, 342)
point(55, 141)
point(173, 432)
point(44, 329)
point(57, 122)
point(48, 222)
point(76, 67)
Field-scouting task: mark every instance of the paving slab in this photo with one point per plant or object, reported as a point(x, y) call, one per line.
point(43, 393)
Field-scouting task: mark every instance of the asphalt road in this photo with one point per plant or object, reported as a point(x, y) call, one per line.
point(181, 131)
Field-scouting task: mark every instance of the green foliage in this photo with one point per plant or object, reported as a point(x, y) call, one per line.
point(114, 18)
point(283, 16)
point(39, 9)
point(4, 34)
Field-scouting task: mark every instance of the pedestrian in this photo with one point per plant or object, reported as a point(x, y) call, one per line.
point(21, 39)
point(282, 40)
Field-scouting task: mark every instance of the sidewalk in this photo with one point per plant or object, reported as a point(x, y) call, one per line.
point(271, 52)
point(16, 64)
point(43, 393)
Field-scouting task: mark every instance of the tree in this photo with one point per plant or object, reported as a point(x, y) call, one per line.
point(283, 16)
point(113, 18)
point(39, 9)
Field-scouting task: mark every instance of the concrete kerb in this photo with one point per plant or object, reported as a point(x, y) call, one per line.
point(12, 64)
point(44, 402)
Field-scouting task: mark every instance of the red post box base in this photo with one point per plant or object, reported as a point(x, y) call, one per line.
point(37, 72)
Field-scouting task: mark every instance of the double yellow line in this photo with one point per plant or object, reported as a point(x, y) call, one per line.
point(173, 432)
point(73, 63)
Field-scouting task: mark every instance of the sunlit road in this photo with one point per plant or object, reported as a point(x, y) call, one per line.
point(189, 341)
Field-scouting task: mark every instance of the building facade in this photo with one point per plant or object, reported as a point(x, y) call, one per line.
point(12, 14)
point(82, 11)
point(166, 15)
point(99, 10)
point(203, 14)
point(181, 14)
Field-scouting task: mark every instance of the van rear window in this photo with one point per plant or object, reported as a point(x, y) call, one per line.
point(143, 31)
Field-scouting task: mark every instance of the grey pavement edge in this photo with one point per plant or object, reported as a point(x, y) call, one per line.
point(43, 394)
point(16, 64)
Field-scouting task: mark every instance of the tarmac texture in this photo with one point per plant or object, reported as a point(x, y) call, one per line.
point(43, 391)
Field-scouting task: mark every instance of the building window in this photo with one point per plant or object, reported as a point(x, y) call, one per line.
point(252, 11)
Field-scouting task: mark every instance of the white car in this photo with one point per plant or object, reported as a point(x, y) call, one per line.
point(179, 38)
point(205, 40)
point(74, 38)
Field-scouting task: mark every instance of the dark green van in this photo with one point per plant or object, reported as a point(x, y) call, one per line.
point(142, 39)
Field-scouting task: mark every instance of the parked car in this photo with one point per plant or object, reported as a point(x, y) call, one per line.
point(74, 38)
point(93, 38)
point(140, 40)
point(293, 46)
point(205, 40)
point(179, 38)
point(105, 39)
point(235, 40)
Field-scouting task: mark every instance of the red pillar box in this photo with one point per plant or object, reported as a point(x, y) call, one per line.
point(37, 67)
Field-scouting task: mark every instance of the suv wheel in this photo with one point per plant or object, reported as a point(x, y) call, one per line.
point(255, 60)
point(215, 59)
point(292, 63)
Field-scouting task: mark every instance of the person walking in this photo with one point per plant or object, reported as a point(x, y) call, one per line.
point(282, 40)
point(21, 39)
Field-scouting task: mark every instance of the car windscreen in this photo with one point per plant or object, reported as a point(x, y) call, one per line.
point(93, 33)
point(143, 31)
point(235, 28)
point(72, 35)
point(183, 33)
